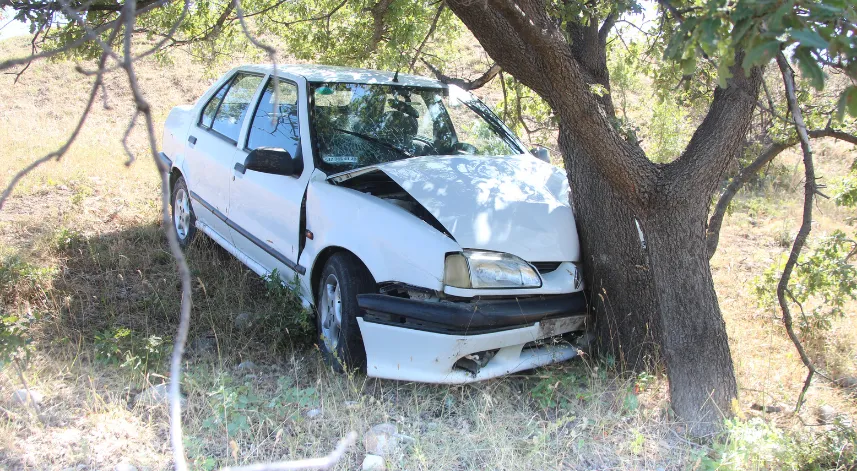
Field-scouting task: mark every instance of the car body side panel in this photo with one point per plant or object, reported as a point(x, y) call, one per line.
point(394, 244)
point(175, 131)
point(269, 206)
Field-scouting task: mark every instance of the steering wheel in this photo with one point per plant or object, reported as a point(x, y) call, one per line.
point(427, 145)
point(404, 107)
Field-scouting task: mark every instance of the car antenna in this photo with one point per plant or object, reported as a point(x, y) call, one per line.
point(396, 76)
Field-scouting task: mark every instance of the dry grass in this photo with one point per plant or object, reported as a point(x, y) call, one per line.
point(91, 261)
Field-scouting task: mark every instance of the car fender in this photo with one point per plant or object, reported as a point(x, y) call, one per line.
point(176, 129)
point(394, 244)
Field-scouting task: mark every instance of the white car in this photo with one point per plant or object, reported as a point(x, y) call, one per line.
point(431, 244)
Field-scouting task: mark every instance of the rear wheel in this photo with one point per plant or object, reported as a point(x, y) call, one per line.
point(184, 220)
point(342, 279)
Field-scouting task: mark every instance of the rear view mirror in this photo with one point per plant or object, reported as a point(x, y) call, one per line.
point(271, 160)
point(541, 153)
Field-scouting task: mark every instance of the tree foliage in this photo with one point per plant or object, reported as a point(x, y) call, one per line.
point(818, 34)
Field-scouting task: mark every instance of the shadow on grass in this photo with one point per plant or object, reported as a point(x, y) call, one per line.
point(115, 296)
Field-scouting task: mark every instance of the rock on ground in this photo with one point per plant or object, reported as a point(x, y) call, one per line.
point(848, 382)
point(826, 414)
point(383, 440)
point(313, 413)
point(124, 466)
point(243, 321)
point(22, 397)
point(154, 396)
point(374, 463)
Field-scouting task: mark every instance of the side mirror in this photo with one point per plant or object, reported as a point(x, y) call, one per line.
point(541, 153)
point(271, 160)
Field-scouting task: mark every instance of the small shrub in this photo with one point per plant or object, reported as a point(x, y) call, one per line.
point(66, 240)
point(15, 338)
point(238, 408)
point(822, 282)
point(22, 281)
point(759, 445)
point(122, 347)
point(287, 313)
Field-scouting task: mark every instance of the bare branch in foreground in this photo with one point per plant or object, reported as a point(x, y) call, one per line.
point(272, 54)
point(810, 189)
point(126, 20)
point(57, 154)
point(323, 463)
point(125, 139)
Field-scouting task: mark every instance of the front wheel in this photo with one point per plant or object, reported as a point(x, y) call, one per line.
point(342, 279)
point(184, 220)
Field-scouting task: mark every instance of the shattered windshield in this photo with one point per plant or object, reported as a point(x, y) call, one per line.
point(357, 125)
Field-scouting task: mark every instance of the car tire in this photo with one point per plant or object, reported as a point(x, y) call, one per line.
point(342, 279)
point(184, 220)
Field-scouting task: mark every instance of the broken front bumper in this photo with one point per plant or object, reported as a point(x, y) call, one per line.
point(429, 341)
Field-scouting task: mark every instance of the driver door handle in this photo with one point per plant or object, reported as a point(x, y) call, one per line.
point(240, 168)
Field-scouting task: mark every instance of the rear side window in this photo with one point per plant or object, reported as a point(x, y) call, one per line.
point(230, 114)
point(282, 132)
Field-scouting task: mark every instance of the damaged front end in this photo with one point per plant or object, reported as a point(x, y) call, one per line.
point(375, 182)
point(467, 331)
point(430, 339)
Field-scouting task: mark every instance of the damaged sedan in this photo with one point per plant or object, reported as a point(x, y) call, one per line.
point(430, 243)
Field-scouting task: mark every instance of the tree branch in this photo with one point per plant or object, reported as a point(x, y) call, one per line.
point(810, 188)
point(323, 463)
point(478, 82)
point(607, 25)
point(426, 39)
point(378, 11)
point(718, 139)
point(527, 44)
point(747, 173)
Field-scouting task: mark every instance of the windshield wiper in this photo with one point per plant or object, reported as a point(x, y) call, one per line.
point(375, 140)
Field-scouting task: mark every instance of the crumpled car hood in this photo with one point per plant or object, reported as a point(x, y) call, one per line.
point(513, 204)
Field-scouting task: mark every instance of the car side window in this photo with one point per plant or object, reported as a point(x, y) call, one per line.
point(230, 114)
point(212, 105)
point(284, 132)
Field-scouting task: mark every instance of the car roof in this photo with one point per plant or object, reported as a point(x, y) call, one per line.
point(332, 73)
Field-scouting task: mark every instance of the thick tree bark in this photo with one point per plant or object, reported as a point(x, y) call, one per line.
point(653, 294)
point(615, 264)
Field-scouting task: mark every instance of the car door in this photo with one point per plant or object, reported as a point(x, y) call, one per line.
point(266, 208)
point(212, 144)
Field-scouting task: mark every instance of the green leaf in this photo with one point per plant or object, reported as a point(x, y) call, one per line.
point(761, 53)
point(848, 102)
point(688, 65)
point(809, 38)
point(809, 67)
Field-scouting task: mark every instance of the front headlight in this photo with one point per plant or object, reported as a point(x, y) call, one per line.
point(480, 269)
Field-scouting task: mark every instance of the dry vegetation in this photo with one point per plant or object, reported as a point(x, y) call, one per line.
point(83, 256)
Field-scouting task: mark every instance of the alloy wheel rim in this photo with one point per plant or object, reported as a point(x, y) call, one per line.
point(181, 213)
point(331, 313)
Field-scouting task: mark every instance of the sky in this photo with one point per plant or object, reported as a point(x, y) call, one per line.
point(10, 27)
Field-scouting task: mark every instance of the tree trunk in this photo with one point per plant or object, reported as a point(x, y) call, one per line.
point(615, 265)
point(655, 289)
point(651, 286)
point(694, 341)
